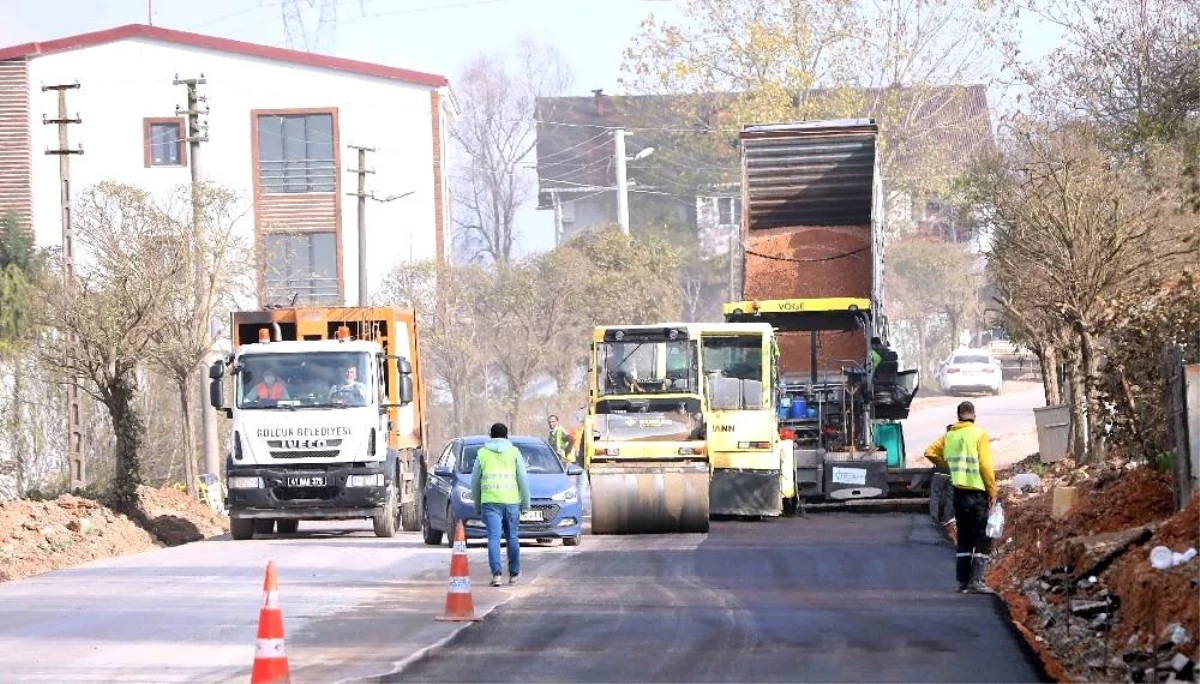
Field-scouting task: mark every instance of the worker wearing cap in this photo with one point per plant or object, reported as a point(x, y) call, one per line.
point(965, 452)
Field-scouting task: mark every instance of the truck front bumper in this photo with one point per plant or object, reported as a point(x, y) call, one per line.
point(279, 497)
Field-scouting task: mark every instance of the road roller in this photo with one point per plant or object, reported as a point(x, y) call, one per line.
point(646, 459)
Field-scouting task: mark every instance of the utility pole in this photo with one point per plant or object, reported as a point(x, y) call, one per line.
point(77, 474)
point(197, 133)
point(622, 180)
point(362, 172)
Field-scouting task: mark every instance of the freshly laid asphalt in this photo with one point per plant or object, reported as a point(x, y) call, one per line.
point(827, 598)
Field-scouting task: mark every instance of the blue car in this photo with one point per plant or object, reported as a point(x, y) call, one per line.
point(556, 511)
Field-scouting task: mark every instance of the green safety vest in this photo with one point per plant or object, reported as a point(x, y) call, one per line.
point(498, 477)
point(559, 437)
point(875, 358)
point(962, 456)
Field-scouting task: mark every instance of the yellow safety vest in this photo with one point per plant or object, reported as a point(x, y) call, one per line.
point(962, 456)
point(559, 438)
point(498, 477)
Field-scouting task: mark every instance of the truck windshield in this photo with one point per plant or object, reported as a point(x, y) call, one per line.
point(649, 420)
point(308, 380)
point(647, 367)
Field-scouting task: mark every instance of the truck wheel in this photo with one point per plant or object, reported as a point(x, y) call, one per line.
point(264, 526)
point(287, 526)
point(385, 521)
point(410, 519)
point(241, 528)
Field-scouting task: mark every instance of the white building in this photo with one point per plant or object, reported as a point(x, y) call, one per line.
point(280, 124)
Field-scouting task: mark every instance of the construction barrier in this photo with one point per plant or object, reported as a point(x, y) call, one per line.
point(460, 607)
point(270, 657)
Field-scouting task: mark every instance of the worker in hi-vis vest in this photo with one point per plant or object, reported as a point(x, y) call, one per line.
point(501, 489)
point(964, 451)
point(559, 440)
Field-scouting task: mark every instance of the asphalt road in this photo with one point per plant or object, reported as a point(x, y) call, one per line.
point(828, 598)
point(1000, 415)
point(353, 606)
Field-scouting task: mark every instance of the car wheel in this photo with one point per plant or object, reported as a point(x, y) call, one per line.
point(287, 526)
point(432, 537)
point(572, 541)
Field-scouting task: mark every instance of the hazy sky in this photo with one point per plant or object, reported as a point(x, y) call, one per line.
point(426, 35)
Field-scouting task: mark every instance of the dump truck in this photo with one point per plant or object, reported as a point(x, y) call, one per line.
point(681, 426)
point(327, 418)
point(812, 266)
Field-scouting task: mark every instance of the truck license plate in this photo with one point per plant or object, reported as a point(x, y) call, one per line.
point(852, 476)
point(305, 480)
point(531, 516)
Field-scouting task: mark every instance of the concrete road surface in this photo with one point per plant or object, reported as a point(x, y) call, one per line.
point(1000, 415)
point(829, 598)
point(353, 606)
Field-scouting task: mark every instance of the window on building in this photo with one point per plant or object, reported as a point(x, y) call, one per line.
point(729, 211)
point(295, 153)
point(300, 267)
point(164, 142)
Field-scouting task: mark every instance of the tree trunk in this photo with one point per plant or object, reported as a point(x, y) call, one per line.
point(183, 385)
point(1048, 359)
point(130, 433)
point(1091, 403)
point(1079, 414)
point(16, 431)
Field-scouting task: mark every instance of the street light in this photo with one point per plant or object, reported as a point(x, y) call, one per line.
point(643, 154)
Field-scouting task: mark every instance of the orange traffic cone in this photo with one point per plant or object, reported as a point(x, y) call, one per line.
point(270, 659)
point(460, 607)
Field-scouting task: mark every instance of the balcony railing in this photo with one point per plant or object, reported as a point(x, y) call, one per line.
point(286, 291)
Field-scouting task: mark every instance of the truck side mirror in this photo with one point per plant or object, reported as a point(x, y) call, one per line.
point(216, 392)
point(217, 370)
point(403, 367)
point(406, 390)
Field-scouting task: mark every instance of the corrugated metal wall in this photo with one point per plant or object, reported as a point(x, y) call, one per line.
point(16, 179)
point(809, 176)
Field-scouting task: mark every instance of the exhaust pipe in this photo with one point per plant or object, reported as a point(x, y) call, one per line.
point(276, 332)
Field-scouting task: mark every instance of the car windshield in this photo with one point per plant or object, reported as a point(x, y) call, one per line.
point(970, 358)
point(302, 381)
point(647, 367)
point(538, 458)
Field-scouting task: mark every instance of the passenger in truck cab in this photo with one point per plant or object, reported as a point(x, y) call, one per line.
point(351, 391)
point(270, 389)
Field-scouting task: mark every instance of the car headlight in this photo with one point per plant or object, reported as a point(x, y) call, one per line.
point(375, 480)
point(244, 482)
point(464, 494)
point(569, 494)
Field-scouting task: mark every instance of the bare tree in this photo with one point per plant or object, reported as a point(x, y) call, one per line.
point(495, 136)
point(1074, 229)
point(184, 338)
point(129, 275)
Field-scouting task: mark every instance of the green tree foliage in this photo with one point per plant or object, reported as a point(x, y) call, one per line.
point(933, 287)
point(21, 266)
point(494, 333)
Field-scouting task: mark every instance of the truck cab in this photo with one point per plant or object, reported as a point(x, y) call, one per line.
point(326, 425)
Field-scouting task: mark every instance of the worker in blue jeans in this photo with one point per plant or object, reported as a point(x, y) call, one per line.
point(501, 489)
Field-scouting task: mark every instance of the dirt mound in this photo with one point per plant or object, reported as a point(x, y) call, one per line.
point(42, 536)
point(1154, 598)
point(176, 518)
point(1083, 585)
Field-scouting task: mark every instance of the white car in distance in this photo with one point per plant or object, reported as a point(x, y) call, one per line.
point(970, 370)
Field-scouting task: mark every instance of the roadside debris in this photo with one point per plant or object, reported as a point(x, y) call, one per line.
point(43, 536)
